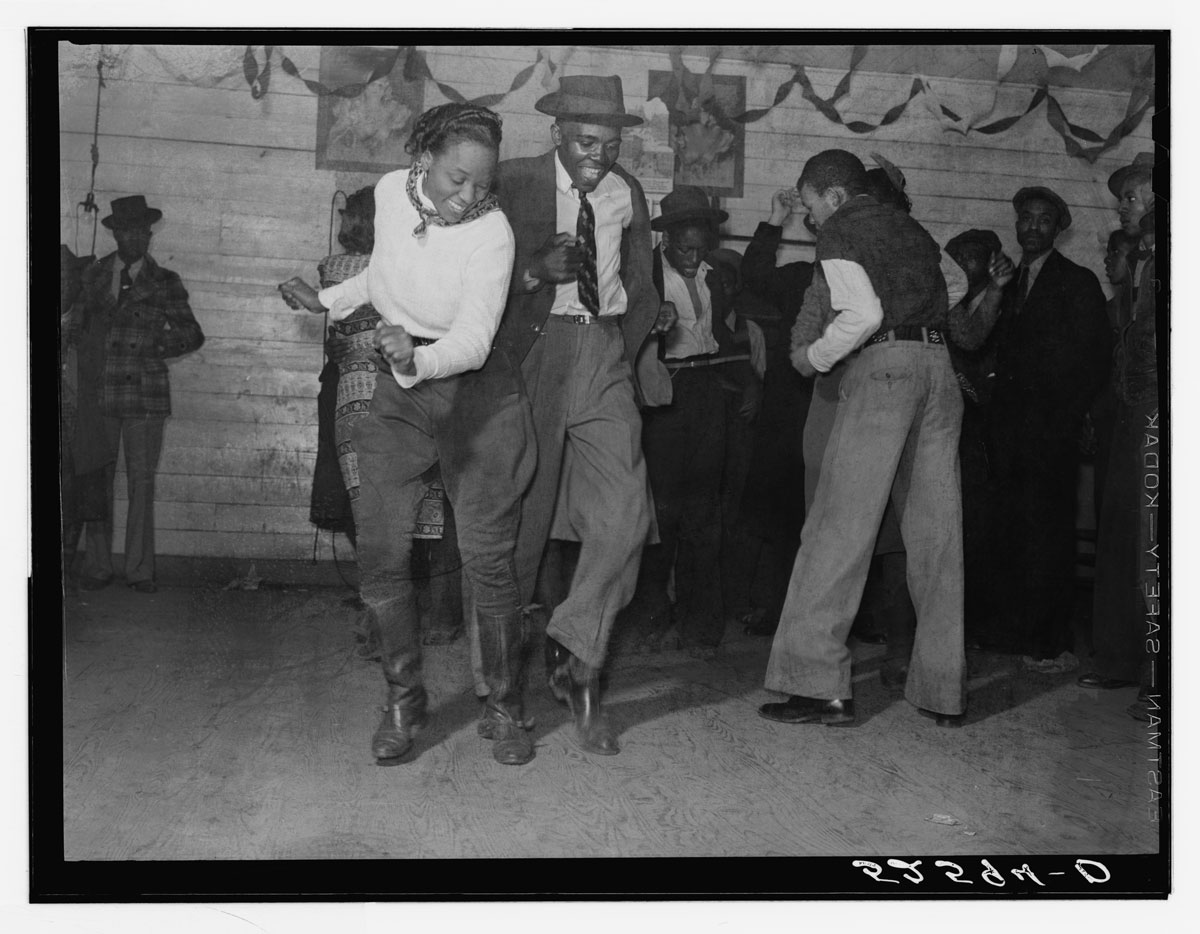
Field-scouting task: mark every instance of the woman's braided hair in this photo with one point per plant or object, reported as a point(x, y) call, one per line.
point(440, 126)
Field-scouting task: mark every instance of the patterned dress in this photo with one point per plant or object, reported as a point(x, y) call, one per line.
point(356, 385)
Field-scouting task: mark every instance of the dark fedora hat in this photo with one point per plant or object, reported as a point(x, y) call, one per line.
point(589, 99)
point(131, 212)
point(1041, 191)
point(686, 203)
point(1142, 164)
point(985, 238)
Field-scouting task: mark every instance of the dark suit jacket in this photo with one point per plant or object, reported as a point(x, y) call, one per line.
point(527, 194)
point(1052, 358)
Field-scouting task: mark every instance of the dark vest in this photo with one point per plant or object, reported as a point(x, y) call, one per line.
point(902, 261)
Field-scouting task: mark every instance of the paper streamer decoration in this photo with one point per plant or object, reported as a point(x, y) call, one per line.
point(416, 68)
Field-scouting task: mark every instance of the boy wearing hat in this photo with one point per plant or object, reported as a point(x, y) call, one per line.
point(1052, 347)
point(132, 315)
point(686, 442)
point(580, 307)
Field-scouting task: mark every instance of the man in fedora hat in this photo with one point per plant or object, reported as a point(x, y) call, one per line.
point(131, 315)
point(1119, 611)
point(1051, 356)
point(686, 441)
point(581, 305)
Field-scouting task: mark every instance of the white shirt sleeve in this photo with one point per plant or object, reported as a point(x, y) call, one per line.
point(859, 313)
point(343, 298)
point(956, 280)
point(467, 344)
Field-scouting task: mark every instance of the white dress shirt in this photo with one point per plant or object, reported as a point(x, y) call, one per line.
point(692, 333)
point(612, 205)
point(449, 284)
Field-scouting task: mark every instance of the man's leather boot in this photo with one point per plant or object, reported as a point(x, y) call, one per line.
point(502, 643)
point(558, 679)
point(403, 717)
point(596, 734)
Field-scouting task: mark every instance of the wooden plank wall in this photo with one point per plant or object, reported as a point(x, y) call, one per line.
point(245, 208)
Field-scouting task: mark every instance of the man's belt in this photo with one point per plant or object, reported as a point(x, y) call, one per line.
point(908, 332)
point(704, 361)
point(587, 319)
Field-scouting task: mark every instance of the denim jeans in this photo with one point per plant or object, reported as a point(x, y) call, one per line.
point(477, 426)
point(895, 436)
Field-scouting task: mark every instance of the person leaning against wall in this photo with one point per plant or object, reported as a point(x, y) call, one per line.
point(131, 316)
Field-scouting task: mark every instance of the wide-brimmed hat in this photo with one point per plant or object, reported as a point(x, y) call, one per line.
point(1142, 164)
point(131, 212)
point(589, 99)
point(725, 257)
point(687, 203)
point(985, 238)
point(1041, 191)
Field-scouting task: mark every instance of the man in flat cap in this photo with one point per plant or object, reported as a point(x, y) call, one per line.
point(1052, 347)
point(686, 442)
point(1119, 611)
point(131, 315)
point(581, 305)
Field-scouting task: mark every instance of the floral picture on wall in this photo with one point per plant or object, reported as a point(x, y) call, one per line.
point(364, 125)
point(709, 145)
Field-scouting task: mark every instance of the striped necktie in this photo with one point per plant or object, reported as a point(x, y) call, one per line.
point(587, 279)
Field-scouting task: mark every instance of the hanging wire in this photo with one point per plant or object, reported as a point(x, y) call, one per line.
point(89, 203)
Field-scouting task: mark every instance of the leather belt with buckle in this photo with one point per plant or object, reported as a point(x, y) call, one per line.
point(709, 361)
point(908, 332)
point(588, 319)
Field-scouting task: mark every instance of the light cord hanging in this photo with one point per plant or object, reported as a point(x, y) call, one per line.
point(89, 203)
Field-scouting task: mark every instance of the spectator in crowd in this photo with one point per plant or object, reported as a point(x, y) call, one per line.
point(988, 271)
point(774, 502)
point(1120, 604)
point(81, 498)
point(133, 315)
point(686, 442)
point(748, 318)
point(1052, 348)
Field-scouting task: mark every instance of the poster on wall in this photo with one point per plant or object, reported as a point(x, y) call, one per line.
point(708, 146)
point(366, 131)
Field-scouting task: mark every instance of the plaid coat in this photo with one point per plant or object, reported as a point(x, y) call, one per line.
point(153, 323)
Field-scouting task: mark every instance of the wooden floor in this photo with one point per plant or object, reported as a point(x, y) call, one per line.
point(204, 723)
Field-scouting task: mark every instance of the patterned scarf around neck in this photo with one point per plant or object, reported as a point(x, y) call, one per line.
point(429, 216)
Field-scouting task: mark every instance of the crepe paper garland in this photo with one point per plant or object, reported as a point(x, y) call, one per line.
point(680, 97)
point(416, 68)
